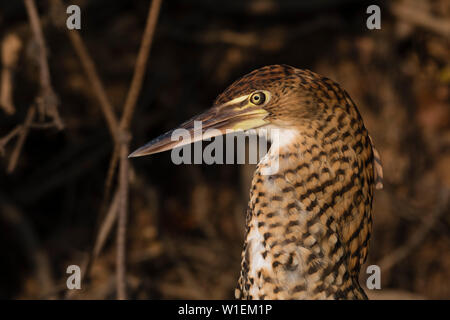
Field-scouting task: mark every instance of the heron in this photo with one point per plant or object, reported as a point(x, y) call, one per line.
point(308, 223)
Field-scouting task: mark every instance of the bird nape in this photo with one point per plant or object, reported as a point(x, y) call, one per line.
point(308, 223)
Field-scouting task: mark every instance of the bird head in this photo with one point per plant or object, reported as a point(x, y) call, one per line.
point(276, 96)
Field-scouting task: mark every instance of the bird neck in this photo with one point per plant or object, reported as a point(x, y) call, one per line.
point(295, 245)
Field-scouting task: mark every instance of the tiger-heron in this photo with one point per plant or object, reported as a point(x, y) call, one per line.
point(308, 225)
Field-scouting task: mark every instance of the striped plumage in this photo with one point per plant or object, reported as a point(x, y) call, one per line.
point(309, 222)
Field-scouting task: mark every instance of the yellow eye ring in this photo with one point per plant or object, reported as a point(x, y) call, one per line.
point(258, 98)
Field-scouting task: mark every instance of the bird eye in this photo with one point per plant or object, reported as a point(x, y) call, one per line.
point(258, 98)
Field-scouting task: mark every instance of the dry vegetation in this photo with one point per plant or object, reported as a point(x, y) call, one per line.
point(72, 104)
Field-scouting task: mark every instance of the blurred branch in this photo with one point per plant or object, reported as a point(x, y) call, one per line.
point(129, 107)
point(22, 133)
point(110, 175)
point(421, 18)
point(141, 64)
point(90, 70)
point(106, 226)
point(4, 141)
point(119, 131)
point(11, 46)
point(100, 240)
point(47, 101)
point(122, 223)
point(97, 85)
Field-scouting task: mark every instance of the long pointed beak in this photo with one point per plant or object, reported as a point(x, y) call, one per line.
point(226, 118)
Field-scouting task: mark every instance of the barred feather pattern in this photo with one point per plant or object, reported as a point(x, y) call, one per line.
point(309, 224)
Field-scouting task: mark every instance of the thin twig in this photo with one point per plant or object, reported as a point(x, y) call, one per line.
point(122, 223)
point(21, 140)
point(100, 240)
point(37, 31)
point(47, 101)
point(106, 226)
point(119, 131)
point(11, 46)
point(106, 106)
point(43, 125)
point(128, 110)
point(91, 72)
point(4, 141)
point(141, 63)
point(94, 79)
point(110, 174)
point(136, 84)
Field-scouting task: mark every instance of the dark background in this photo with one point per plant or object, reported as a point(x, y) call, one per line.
point(186, 222)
